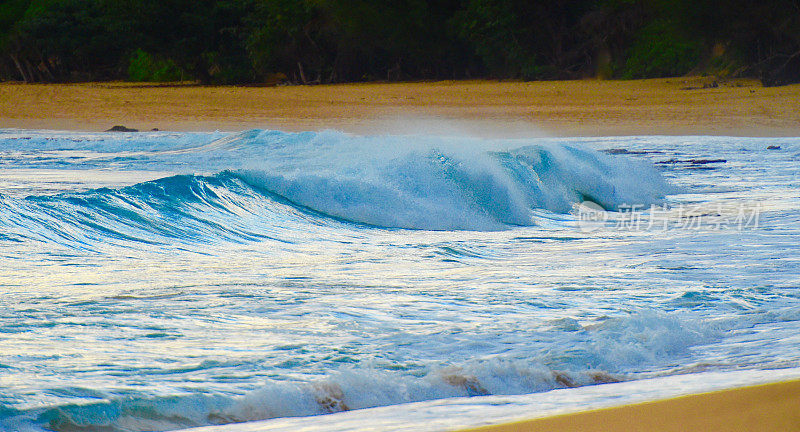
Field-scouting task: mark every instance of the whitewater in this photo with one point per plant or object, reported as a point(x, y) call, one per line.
point(321, 281)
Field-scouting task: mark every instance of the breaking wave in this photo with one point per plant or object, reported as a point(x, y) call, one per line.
point(267, 182)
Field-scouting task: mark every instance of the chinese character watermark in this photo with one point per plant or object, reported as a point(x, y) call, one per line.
point(705, 216)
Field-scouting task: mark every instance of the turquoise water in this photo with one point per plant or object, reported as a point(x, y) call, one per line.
point(161, 281)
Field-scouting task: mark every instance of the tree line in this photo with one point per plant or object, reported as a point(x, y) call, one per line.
point(330, 41)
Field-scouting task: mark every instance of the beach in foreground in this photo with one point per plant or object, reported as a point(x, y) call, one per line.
point(676, 106)
point(767, 407)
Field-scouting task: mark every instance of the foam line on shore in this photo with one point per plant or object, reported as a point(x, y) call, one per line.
point(471, 412)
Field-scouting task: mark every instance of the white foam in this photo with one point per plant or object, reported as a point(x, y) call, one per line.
point(457, 413)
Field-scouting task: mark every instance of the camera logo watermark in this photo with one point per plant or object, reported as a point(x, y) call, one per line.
point(720, 216)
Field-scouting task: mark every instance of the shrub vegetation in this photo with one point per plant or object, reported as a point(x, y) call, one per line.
point(326, 41)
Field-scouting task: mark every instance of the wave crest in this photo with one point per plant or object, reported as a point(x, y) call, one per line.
point(269, 182)
point(443, 184)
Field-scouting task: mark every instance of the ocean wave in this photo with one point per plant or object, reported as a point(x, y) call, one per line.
point(266, 181)
point(184, 208)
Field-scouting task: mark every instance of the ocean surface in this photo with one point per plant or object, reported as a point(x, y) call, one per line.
point(160, 281)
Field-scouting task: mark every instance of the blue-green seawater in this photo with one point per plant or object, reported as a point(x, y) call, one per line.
point(161, 281)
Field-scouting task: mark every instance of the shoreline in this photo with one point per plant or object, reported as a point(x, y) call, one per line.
point(673, 106)
point(772, 407)
point(726, 401)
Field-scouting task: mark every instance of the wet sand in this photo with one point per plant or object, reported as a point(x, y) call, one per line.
point(677, 106)
point(763, 408)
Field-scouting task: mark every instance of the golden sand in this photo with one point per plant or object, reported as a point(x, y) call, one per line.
point(678, 106)
point(762, 408)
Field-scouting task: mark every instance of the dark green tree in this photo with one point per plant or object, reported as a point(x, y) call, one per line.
point(529, 39)
point(320, 41)
point(63, 40)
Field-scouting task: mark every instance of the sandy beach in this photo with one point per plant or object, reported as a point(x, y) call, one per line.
point(762, 408)
point(676, 106)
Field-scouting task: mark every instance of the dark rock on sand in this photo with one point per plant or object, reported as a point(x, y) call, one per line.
point(708, 85)
point(119, 128)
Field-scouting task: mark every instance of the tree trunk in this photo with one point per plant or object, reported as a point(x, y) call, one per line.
point(20, 68)
point(32, 71)
point(45, 68)
point(302, 73)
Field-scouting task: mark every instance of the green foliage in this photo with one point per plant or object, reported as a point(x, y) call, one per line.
point(530, 38)
point(144, 67)
point(319, 41)
point(661, 51)
point(11, 11)
point(496, 31)
point(281, 35)
point(765, 34)
point(61, 40)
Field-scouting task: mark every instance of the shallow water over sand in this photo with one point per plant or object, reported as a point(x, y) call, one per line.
point(159, 281)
